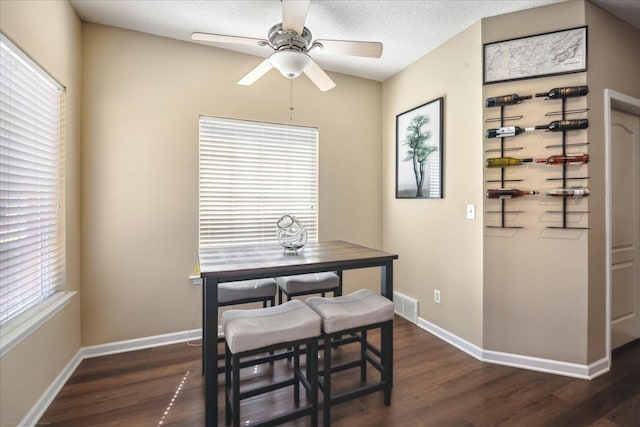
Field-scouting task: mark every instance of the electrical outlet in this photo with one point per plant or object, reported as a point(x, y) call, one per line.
point(436, 296)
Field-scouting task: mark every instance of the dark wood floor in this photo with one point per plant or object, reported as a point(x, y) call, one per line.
point(435, 385)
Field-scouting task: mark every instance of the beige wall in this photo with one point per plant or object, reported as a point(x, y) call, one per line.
point(551, 285)
point(142, 98)
point(439, 248)
point(532, 291)
point(614, 47)
point(50, 33)
point(535, 279)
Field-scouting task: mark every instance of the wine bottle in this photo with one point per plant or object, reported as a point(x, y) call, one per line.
point(565, 160)
point(506, 131)
point(565, 92)
point(496, 101)
point(575, 192)
point(559, 125)
point(507, 193)
point(499, 162)
point(555, 126)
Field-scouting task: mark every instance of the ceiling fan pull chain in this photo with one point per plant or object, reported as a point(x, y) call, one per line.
point(290, 100)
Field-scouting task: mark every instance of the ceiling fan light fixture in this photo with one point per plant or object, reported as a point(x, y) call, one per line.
point(290, 63)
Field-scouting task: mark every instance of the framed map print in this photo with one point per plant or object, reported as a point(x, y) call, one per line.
point(548, 54)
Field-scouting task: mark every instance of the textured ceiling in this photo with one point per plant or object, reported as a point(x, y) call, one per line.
point(408, 29)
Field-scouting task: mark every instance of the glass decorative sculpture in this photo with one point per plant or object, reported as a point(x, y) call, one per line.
point(291, 234)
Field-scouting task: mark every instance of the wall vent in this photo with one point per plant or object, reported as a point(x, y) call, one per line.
point(406, 307)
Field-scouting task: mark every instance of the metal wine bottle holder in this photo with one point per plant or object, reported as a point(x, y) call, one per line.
point(291, 234)
point(502, 179)
point(564, 212)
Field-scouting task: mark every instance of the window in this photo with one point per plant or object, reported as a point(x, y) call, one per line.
point(251, 174)
point(32, 227)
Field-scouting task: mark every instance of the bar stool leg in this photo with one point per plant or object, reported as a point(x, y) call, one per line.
point(227, 385)
point(308, 367)
point(387, 359)
point(296, 375)
point(326, 388)
point(236, 390)
point(312, 377)
point(363, 357)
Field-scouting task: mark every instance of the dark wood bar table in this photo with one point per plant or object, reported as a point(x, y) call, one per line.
point(254, 262)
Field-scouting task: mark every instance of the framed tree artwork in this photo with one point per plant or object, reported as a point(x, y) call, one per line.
point(419, 152)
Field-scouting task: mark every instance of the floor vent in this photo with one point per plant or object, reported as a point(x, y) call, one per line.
point(406, 307)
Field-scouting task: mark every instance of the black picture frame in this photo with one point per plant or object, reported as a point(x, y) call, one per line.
point(419, 151)
point(538, 55)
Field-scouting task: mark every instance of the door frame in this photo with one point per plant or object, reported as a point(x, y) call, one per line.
point(619, 101)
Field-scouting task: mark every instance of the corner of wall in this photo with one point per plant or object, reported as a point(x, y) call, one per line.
point(433, 237)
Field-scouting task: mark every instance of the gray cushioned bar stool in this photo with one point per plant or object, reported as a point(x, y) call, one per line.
point(356, 313)
point(244, 292)
point(312, 283)
point(250, 332)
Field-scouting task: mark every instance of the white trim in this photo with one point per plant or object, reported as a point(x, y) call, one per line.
point(17, 53)
point(549, 366)
point(140, 343)
point(631, 105)
point(599, 367)
point(18, 329)
point(454, 340)
point(558, 367)
point(38, 410)
point(607, 220)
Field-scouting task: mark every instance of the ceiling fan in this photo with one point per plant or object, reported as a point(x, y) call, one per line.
point(291, 43)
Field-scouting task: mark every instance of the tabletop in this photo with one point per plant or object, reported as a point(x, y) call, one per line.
point(236, 262)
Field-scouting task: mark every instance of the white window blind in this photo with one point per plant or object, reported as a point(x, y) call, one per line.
point(251, 174)
point(31, 221)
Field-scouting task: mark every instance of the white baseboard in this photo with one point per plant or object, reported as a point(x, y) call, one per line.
point(51, 392)
point(452, 339)
point(549, 366)
point(575, 370)
point(140, 343)
point(36, 412)
point(599, 367)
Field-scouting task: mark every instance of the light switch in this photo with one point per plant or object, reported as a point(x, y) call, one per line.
point(471, 211)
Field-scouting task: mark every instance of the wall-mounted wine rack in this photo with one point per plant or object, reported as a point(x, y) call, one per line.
point(565, 179)
point(503, 211)
point(564, 160)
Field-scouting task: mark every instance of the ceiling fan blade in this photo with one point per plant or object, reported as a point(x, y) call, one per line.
point(352, 48)
point(294, 13)
point(319, 77)
point(219, 38)
point(256, 73)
